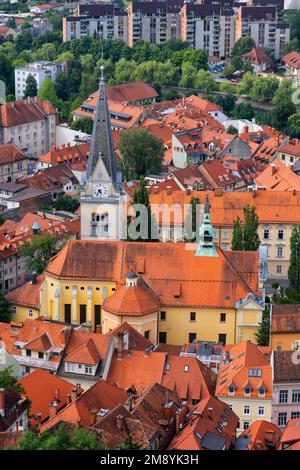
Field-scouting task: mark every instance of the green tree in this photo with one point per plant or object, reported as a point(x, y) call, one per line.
point(237, 235)
point(232, 130)
point(294, 268)
point(83, 125)
point(188, 75)
point(142, 153)
point(39, 251)
point(62, 86)
point(205, 81)
point(59, 439)
point(5, 309)
point(66, 203)
point(243, 111)
point(243, 45)
point(129, 445)
point(9, 381)
point(251, 240)
point(11, 23)
point(293, 128)
point(47, 92)
point(246, 85)
point(263, 332)
point(263, 89)
point(31, 88)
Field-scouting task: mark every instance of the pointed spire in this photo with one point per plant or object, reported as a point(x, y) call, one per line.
point(207, 207)
point(206, 234)
point(101, 143)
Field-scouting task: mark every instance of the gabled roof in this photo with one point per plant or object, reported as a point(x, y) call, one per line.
point(10, 153)
point(42, 388)
point(189, 377)
point(28, 294)
point(292, 59)
point(19, 112)
point(86, 353)
point(291, 435)
point(278, 177)
point(86, 348)
point(257, 56)
point(205, 430)
point(40, 344)
point(261, 435)
point(135, 339)
point(101, 395)
point(183, 278)
point(136, 369)
point(131, 92)
point(242, 358)
point(285, 319)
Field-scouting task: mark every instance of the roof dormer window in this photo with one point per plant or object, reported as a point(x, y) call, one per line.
point(247, 390)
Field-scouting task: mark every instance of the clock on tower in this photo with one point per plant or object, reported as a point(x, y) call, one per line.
point(100, 190)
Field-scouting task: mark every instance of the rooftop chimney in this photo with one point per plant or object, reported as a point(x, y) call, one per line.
point(52, 409)
point(2, 399)
point(93, 416)
point(69, 398)
point(74, 393)
point(120, 346)
point(120, 422)
point(56, 394)
point(39, 420)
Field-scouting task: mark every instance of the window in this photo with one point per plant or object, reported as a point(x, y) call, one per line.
point(279, 251)
point(247, 390)
point(67, 313)
point(225, 234)
point(28, 352)
point(192, 337)
point(14, 310)
point(296, 396)
point(280, 234)
point(278, 269)
point(254, 373)
point(41, 355)
point(295, 414)
point(282, 419)
point(163, 316)
point(231, 389)
point(162, 337)
point(222, 317)
point(193, 316)
point(246, 409)
point(261, 410)
point(283, 396)
point(30, 312)
point(88, 370)
point(222, 338)
point(266, 234)
point(147, 334)
point(246, 425)
point(70, 367)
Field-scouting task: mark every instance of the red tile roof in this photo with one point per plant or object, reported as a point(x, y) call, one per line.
point(261, 435)
point(189, 377)
point(21, 111)
point(10, 153)
point(136, 369)
point(131, 92)
point(292, 59)
point(205, 430)
point(291, 435)
point(257, 56)
point(183, 278)
point(241, 358)
point(42, 388)
point(101, 395)
point(138, 300)
point(278, 177)
point(28, 294)
point(86, 348)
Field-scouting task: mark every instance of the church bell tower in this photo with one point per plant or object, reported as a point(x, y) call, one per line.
point(101, 200)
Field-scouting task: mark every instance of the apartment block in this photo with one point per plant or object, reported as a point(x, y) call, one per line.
point(263, 25)
point(39, 70)
point(99, 21)
point(156, 22)
point(208, 27)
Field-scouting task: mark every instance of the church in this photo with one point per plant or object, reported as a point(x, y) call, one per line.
point(170, 292)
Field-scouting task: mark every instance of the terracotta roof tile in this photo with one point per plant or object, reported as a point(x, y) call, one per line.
point(22, 111)
point(28, 294)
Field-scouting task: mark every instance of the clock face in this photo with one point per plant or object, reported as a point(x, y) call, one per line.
point(100, 190)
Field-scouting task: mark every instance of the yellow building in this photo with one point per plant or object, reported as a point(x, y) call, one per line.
point(26, 300)
point(245, 384)
point(285, 327)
